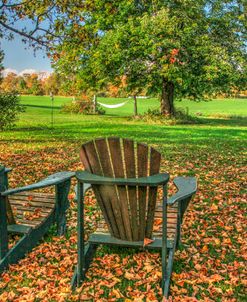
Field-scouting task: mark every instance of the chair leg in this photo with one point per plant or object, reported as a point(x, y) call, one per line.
point(171, 253)
point(178, 239)
point(3, 228)
point(168, 273)
point(80, 270)
point(62, 204)
point(85, 252)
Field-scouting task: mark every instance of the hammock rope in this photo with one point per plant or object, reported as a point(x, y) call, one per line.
point(113, 106)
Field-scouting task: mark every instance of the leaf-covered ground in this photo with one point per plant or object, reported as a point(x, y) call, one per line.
point(208, 267)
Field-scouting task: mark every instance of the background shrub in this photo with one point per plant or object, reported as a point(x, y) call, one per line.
point(81, 107)
point(10, 107)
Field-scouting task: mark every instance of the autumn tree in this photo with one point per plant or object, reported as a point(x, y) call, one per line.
point(10, 82)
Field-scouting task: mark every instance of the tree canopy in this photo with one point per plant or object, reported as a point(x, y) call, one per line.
point(191, 49)
point(181, 48)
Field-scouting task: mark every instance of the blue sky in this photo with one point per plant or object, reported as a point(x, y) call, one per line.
point(19, 57)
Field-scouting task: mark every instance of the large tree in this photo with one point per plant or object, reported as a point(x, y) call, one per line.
point(192, 49)
point(179, 48)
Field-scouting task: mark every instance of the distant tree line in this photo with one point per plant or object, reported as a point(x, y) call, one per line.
point(33, 84)
point(36, 84)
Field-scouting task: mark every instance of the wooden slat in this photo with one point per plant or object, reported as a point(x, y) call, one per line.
point(32, 198)
point(90, 161)
point(99, 238)
point(109, 193)
point(31, 223)
point(10, 215)
point(118, 169)
point(129, 159)
point(42, 213)
point(142, 165)
point(36, 194)
point(19, 229)
point(27, 203)
point(22, 215)
point(157, 229)
point(155, 158)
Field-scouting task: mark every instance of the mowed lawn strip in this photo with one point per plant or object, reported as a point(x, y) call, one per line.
point(209, 265)
point(217, 107)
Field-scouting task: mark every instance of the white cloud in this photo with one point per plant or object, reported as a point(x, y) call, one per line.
point(6, 71)
point(27, 71)
point(41, 74)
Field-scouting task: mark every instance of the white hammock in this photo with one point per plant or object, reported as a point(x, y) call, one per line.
point(113, 106)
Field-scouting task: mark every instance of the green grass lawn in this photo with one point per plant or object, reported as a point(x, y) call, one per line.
point(209, 265)
point(216, 108)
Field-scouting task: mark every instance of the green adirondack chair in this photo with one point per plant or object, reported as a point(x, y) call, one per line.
point(43, 210)
point(124, 177)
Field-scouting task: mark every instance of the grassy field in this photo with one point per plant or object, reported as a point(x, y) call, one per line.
point(217, 108)
point(210, 264)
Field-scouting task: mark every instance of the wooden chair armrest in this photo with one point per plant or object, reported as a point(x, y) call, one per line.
point(51, 180)
point(86, 187)
point(152, 181)
point(7, 170)
point(187, 186)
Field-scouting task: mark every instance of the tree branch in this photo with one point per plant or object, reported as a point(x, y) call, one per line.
point(21, 33)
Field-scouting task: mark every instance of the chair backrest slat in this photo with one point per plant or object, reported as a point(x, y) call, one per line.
point(154, 166)
point(130, 167)
point(142, 169)
point(118, 168)
point(128, 210)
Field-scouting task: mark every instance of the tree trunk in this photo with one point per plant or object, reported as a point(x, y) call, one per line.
point(167, 98)
point(135, 106)
point(94, 103)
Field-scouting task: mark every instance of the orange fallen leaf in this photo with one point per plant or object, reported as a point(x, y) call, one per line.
point(204, 249)
point(129, 276)
point(215, 278)
point(158, 221)
point(147, 241)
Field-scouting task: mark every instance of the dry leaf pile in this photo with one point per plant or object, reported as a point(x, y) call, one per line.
point(208, 267)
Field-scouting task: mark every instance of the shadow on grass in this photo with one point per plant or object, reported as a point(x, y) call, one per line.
point(227, 121)
point(39, 106)
point(197, 136)
point(31, 128)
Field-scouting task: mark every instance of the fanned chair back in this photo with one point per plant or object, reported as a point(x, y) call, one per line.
point(127, 210)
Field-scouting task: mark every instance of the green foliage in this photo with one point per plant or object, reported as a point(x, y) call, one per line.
point(1, 63)
point(181, 117)
point(81, 107)
point(172, 49)
point(197, 46)
point(10, 107)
